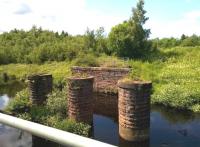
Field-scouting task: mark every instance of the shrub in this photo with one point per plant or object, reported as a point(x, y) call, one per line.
point(86, 60)
point(68, 125)
point(57, 102)
point(179, 96)
point(53, 114)
point(112, 61)
point(20, 103)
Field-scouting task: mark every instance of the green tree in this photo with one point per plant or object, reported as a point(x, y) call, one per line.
point(101, 41)
point(90, 41)
point(130, 39)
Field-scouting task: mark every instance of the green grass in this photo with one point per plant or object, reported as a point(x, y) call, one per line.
point(175, 73)
point(59, 70)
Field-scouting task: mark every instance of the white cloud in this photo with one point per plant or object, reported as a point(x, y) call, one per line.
point(69, 15)
point(189, 24)
point(74, 17)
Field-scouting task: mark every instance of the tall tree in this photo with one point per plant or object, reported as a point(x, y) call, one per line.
point(130, 39)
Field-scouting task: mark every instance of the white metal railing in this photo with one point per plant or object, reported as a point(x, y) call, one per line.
point(52, 134)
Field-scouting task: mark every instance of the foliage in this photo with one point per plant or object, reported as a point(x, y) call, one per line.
point(58, 70)
point(39, 46)
point(86, 60)
point(129, 39)
point(178, 96)
point(112, 61)
point(69, 125)
point(57, 102)
point(175, 76)
point(20, 103)
point(53, 114)
point(185, 41)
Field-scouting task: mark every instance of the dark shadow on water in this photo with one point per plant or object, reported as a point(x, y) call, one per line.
point(175, 116)
point(124, 143)
point(12, 88)
point(40, 142)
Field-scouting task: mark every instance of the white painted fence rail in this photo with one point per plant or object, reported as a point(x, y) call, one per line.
point(52, 134)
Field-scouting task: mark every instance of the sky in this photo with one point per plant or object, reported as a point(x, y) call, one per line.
point(167, 18)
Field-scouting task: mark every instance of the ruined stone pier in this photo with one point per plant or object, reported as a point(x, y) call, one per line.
point(40, 85)
point(80, 99)
point(134, 110)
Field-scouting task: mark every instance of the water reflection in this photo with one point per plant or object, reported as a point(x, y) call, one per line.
point(124, 143)
point(4, 99)
point(169, 128)
point(106, 105)
point(11, 89)
point(10, 137)
point(175, 116)
point(40, 142)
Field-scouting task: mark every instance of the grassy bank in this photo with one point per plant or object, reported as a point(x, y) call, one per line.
point(59, 70)
point(53, 113)
point(175, 73)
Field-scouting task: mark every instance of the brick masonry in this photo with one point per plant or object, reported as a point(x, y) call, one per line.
point(40, 85)
point(106, 105)
point(80, 99)
point(134, 110)
point(105, 79)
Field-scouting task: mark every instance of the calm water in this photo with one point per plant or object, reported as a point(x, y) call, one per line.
point(169, 128)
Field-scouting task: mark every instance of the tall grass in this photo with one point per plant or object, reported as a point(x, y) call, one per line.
point(59, 70)
point(175, 76)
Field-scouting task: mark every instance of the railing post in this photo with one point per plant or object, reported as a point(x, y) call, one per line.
point(134, 110)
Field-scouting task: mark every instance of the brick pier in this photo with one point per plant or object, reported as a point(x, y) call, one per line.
point(80, 99)
point(134, 110)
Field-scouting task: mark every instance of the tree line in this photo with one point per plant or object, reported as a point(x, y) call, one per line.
point(184, 41)
point(128, 39)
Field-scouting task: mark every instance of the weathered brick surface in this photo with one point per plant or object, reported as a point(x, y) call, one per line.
point(40, 86)
point(106, 105)
point(134, 109)
point(80, 99)
point(105, 79)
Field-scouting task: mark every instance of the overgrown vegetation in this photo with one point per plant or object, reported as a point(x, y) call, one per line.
point(175, 75)
point(52, 114)
point(172, 64)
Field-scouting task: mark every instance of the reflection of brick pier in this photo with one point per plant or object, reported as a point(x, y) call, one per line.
point(106, 105)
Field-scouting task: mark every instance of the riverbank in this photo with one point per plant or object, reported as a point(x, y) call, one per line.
point(53, 113)
point(175, 73)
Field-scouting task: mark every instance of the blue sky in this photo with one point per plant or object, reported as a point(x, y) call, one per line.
point(167, 18)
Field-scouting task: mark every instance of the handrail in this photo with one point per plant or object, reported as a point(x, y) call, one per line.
point(52, 134)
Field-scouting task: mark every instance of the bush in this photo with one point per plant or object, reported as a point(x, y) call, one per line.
point(86, 60)
point(57, 102)
point(68, 125)
point(20, 103)
point(178, 96)
point(112, 61)
point(53, 114)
